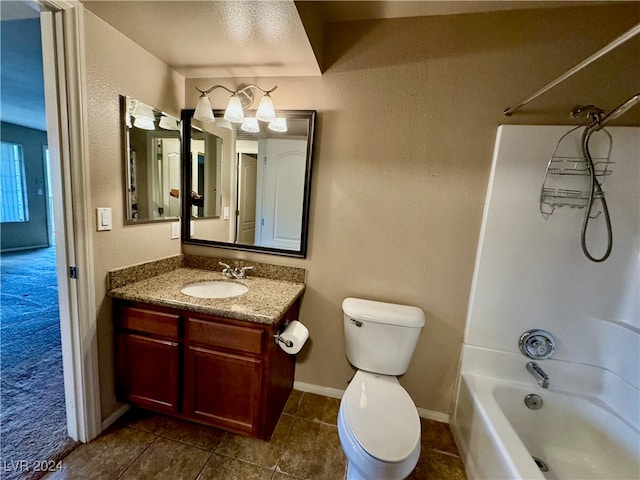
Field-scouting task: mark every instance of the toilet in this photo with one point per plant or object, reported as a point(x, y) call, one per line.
point(378, 423)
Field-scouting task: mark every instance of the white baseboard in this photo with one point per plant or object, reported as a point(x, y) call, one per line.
point(318, 390)
point(433, 415)
point(337, 393)
point(111, 419)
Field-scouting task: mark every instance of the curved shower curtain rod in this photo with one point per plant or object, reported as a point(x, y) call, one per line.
point(603, 51)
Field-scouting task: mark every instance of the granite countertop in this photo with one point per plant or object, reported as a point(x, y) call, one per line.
point(265, 302)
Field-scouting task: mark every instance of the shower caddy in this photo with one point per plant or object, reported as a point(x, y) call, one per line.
point(566, 180)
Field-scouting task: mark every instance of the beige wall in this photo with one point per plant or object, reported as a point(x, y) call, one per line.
point(117, 66)
point(407, 117)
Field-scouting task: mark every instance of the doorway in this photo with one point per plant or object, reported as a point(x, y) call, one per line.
point(61, 40)
point(33, 423)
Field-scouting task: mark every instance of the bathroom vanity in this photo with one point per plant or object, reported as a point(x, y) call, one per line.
point(212, 361)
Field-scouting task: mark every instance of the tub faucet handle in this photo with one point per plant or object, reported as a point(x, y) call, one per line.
point(537, 344)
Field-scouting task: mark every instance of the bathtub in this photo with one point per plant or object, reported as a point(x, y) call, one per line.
point(580, 432)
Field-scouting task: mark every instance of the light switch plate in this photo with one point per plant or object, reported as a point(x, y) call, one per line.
point(103, 219)
point(175, 230)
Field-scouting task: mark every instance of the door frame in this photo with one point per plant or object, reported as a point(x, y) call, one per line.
point(62, 27)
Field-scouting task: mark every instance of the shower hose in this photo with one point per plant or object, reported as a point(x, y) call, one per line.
point(596, 189)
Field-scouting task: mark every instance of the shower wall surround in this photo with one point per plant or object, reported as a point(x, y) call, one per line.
point(531, 272)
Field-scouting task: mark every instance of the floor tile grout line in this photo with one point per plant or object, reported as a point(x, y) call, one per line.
point(197, 477)
point(199, 447)
point(138, 456)
point(226, 455)
point(180, 441)
point(286, 441)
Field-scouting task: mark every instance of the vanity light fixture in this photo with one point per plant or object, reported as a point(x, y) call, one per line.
point(239, 100)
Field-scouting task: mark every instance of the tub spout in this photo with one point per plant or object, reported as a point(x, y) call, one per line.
point(542, 378)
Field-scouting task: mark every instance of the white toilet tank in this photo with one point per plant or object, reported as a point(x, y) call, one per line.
point(380, 337)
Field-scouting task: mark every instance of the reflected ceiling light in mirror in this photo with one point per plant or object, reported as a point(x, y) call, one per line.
point(250, 125)
point(143, 117)
point(130, 107)
point(240, 99)
point(279, 125)
point(168, 123)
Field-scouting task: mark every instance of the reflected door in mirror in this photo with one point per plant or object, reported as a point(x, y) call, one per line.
point(247, 182)
point(206, 165)
point(281, 198)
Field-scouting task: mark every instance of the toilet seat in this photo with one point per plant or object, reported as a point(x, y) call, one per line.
point(381, 416)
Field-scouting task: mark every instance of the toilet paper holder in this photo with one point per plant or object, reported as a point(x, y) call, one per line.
point(291, 337)
point(277, 338)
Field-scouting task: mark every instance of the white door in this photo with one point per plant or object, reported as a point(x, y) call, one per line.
point(247, 175)
point(171, 175)
point(282, 193)
point(63, 67)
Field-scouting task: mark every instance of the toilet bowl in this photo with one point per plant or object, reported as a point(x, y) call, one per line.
point(378, 423)
point(379, 428)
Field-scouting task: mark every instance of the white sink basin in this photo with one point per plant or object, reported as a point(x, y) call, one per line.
point(215, 289)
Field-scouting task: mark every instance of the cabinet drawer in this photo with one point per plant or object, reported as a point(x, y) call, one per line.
point(226, 336)
point(148, 321)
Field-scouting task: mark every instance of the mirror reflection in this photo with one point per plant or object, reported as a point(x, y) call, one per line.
point(151, 163)
point(206, 164)
point(262, 181)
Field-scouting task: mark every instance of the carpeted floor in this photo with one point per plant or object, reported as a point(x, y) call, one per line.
point(33, 424)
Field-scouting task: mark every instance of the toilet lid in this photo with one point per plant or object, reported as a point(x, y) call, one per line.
point(382, 417)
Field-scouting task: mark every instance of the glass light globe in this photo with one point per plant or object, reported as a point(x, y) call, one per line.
point(204, 112)
point(266, 112)
point(234, 113)
point(168, 123)
point(144, 123)
point(278, 125)
point(250, 125)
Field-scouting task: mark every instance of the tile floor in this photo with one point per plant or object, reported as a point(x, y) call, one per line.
point(305, 445)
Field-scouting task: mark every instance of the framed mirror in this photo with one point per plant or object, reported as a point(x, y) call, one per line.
point(248, 190)
point(152, 163)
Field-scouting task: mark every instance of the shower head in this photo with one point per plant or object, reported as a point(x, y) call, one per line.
point(617, 112)
point(591, 113)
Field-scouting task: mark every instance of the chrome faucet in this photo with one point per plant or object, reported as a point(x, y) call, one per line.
point(542, 378)
point(236, 273)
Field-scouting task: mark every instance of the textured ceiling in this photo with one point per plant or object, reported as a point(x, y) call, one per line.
point(261, 38)
point(216, 39)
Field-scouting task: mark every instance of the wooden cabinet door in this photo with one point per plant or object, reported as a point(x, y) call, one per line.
point(148, 371)
point(223, 389)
